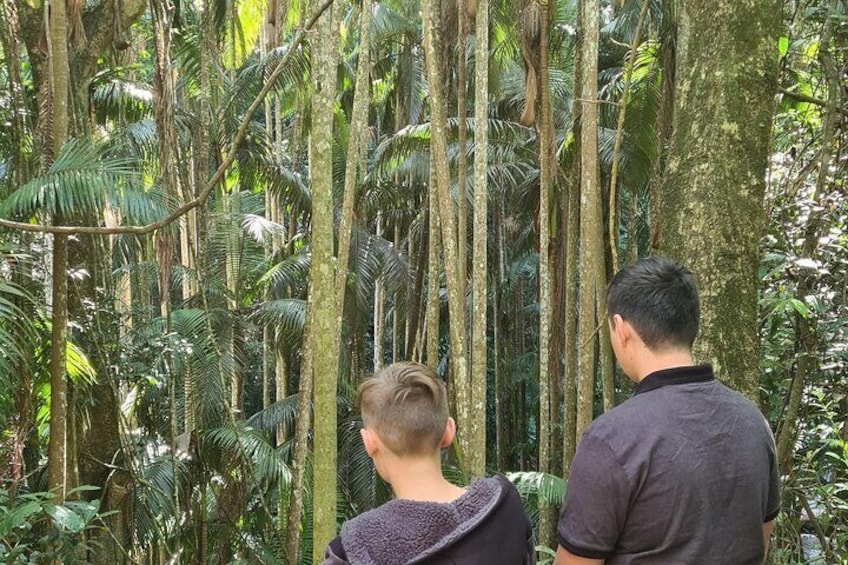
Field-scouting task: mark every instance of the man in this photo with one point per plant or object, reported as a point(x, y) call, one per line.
point(684, 472)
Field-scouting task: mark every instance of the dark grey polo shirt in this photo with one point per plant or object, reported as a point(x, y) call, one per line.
point(684, 472)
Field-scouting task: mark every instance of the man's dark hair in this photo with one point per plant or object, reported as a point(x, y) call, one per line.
point(658, 297)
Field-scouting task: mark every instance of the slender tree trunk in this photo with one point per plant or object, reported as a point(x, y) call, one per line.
point(619, 136)
point(325, 325)
point(462, 145)
point(396, 345)
point(806, 334)
point(545, 129)
point(501, 346)
point(379, 309)
point(571, 207)
point(281, 385)
point(358, 127)
point(591, 218)
point(479, 357)
point(433, 272)
point(300, 450)
point(439, 157)
point(668, 56)
point(57, 41)
point(711, 214)
point(571, 225)
point(10, 41)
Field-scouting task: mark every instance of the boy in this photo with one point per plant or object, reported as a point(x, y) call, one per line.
point(431, 521)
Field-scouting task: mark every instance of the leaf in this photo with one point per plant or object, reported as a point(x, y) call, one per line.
point(807, 263)
point(65, 518)
point(17, 517)
point(783, 46)
point(800, 307)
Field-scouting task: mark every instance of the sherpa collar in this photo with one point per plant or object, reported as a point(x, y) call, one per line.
point(405, 531)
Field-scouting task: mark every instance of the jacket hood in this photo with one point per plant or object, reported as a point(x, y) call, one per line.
point(405, 532)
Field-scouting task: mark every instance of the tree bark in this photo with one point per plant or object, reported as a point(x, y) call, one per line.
point(433, 272)
point(325, 325)
point(439, 158)
point(59, 82)
point(571, 223)
point(300, 451)
point(711, 211)
point(462, 145)
point(379, 309)
point(544, 125)
point(479, 357)
point(592, 271)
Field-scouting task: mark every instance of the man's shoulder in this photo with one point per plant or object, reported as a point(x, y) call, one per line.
point(627, 417)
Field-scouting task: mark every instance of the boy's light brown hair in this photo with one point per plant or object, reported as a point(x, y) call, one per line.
point(407, 405)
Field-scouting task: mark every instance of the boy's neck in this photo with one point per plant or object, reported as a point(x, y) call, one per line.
point(420, 479)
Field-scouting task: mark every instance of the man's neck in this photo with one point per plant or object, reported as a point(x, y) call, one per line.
point(658, 361)
point(421, 479)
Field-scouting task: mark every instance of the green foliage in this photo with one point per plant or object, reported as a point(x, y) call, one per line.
point(35, 530)
point(80, 181)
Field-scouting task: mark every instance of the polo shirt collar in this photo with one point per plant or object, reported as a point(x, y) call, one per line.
point(675, 376)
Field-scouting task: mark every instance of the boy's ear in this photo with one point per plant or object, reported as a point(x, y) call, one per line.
point(369, 440)
point(450, 433)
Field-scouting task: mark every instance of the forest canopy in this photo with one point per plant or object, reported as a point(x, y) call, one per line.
point(217, 218)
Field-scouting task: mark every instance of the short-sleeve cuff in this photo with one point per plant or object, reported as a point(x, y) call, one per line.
point(582, 551)
point(771, 516)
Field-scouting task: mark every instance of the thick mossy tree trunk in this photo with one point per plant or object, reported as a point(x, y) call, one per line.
point(322, 281)
point(711, 212)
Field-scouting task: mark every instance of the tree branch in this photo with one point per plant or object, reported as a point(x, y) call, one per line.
point(211, 183)
point(809, 99)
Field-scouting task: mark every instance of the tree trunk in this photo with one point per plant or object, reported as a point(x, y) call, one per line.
point(325, 324)
point(479, 357)
point(358, 127)
point(806, 331)
point(300, 451)
point(501, 345)
point(571, 223)
point(379, 309)
point(592, 271)
point(711, 212)
point(439, 157)
point(59, 78)
point(433, 272)
point(544, 126)
point(462, 145)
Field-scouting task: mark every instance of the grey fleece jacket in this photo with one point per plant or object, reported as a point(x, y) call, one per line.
point(487, 524)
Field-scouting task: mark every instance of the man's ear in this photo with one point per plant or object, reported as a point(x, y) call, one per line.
point(620, 328)
point(449, 434)
point(370, 441)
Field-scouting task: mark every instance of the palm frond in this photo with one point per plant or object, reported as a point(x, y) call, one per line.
point(290, 273)
point(79, 181)
point(288, 317)
point(544, 486)
point(121, 101)
point(280, 413)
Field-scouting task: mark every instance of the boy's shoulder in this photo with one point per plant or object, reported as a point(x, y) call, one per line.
point(411, 530)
